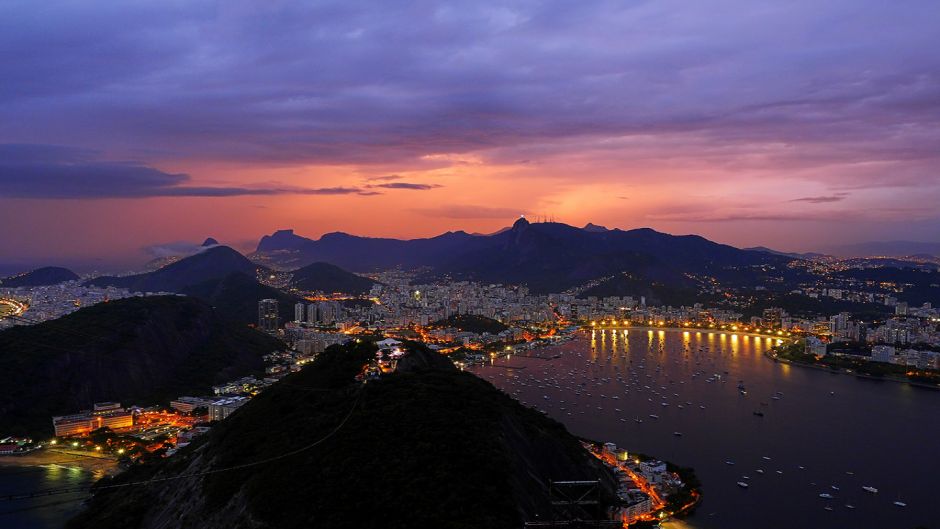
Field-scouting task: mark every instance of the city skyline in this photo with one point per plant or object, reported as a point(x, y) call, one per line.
point(798, 127)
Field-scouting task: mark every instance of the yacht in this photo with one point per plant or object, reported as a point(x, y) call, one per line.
point(743, 485)
point(826, 495)
point(870, 489)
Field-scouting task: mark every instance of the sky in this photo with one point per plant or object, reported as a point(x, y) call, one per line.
point(127, 127)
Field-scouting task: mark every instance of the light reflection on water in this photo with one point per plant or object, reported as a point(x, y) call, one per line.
point(856, 428)
point(42, 512)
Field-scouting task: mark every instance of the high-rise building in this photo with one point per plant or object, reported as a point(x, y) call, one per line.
point(267, 315)
point(299, 312)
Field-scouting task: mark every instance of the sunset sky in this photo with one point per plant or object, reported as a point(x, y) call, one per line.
point(798, 125)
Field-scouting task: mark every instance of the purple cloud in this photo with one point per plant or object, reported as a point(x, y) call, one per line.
point(822, 199)
point(54, 172)
point(406, 185)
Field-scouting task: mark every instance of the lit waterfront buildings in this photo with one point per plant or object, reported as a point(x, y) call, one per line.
point(104, 414)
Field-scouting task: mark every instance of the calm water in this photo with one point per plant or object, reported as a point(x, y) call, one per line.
point(844, 431)
point(41, 513)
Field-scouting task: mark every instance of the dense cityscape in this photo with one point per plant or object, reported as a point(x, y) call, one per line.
point(473, 323)
point(494, 264)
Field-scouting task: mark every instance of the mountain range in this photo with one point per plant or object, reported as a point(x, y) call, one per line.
point(546, 256)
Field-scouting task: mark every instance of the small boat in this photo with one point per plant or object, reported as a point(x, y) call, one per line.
point(743, 485)
point(677, 434)
point(759, 413)
point(759, 471)
point(828, 508)
point(834, 487)
point(870, 489)
point(900, 503)
point(729, 462)
point(653, 416)
point(849, 506)
point(826, 495)
point(765, 458)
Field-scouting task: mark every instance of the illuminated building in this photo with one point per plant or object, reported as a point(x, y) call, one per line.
point(268, 315)
point(104, 414)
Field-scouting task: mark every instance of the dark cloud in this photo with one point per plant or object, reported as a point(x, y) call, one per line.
point(41, 171)
point(406, 185)
point(468, 212)
point(823, 199)
point(384, 178)
point(379, 82)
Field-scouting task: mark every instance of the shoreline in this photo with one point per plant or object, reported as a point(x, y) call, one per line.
point(839, 371)
point(69, 458)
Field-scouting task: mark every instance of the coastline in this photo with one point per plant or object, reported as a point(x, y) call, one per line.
point(69, 458)
point(771, 355)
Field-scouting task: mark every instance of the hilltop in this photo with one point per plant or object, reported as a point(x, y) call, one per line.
point(48, 275)
point(215, 262)
point(136, 350)
point(433, 447)
point(328, 278)
point(472, 323)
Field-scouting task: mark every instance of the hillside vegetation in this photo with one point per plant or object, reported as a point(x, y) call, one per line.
point(135, 350)
point(432, 447)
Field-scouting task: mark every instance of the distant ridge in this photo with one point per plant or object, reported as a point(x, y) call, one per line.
point(546, 256)
point(48, 275)
point(215, 262)
point(594, 228)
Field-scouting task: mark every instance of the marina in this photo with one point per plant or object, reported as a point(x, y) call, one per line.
point(788, 461)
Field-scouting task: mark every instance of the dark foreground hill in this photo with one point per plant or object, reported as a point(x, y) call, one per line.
point(235, 297)
point(136, 350)
point(48, 275)
point(324, 277)
point(434, 448)
point(215, 262)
